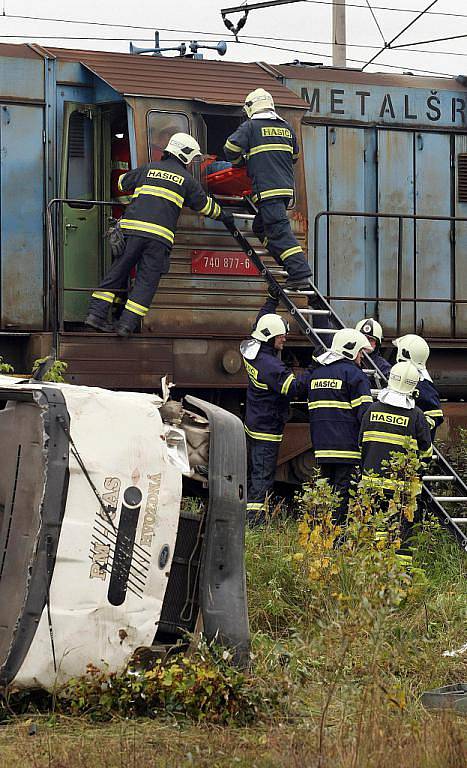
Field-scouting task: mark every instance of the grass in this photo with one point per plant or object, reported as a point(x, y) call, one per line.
point(339, 669)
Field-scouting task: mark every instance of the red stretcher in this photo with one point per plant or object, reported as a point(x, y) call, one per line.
point(231, 182)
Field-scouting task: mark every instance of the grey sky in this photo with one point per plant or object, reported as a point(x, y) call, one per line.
point(304, 21)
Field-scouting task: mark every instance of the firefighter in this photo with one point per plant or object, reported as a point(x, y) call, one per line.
point(161, 189)
point(391, 425)
point(374, 333)
point(271, 387)
point(269, 146)
point(414, 348)
point(338, 395)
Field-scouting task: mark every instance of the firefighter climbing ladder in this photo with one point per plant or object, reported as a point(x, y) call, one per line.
point(318, 322)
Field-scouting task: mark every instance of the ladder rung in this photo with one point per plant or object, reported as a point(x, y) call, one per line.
point(300, 293)
point(248, 216)
point(450, 498)
point(278, 272)
point(314, 311)
point(369, 371)
point(325, 330)
point(432, 478)
point(461, 520)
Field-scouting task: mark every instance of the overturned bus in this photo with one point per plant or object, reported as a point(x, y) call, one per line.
point(98, 558)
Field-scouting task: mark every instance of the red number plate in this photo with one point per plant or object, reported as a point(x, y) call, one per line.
point(222, 263)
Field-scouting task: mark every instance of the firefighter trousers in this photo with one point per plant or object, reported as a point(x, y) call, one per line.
point(152, 259)
point(262, 461)
point(340, 476)
point(272, 227)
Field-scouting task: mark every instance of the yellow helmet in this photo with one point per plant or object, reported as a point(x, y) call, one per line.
point(412, 347)
point(348, 342)
point(269, 326)
point(371, 328)
point(183, 146)
point(258, 101)
point(403, 377)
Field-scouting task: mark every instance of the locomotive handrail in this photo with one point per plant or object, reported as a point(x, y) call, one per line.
point(400, 219)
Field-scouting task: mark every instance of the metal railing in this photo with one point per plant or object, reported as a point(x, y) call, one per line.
point(399, 298)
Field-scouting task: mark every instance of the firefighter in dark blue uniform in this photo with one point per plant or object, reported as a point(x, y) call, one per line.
point(414, 348)
point(271, 387)
point(374, 333)
point(161, 189)
point(269, 147)
point(338, 395)
point(394, 424)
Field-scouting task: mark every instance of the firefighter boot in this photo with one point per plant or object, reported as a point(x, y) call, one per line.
point(99, 324)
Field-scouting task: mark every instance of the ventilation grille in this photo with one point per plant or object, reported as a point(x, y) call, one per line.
point(76, 135)
point(462, 178)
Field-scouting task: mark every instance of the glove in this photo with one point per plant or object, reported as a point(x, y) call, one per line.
point(227, 219)
point(273, 292)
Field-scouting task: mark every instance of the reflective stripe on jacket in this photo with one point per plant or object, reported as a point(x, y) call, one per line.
point(338, 396)
point(160, 190)
point(388, 429)
point(270, 149)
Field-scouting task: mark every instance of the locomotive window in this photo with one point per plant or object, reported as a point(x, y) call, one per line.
point(80, 175)
point(217, 175)
point(161, 126)
point(462, 178)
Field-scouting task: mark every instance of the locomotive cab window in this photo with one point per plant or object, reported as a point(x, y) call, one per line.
point(161, 126)
point(218, 177)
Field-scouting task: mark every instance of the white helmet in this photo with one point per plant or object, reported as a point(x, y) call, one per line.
point(183, 146)
point(258, 101)
point(348, 342)
point(413, 348)
point(371, 328)
point(403, 377)
point(269, 326)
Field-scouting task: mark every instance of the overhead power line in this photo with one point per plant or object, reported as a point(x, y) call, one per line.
point(410, 24)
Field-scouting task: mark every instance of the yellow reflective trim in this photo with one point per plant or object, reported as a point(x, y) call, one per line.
point(206, 209)
point(254, 506)
point(216, 212)
point(119, 165)
point(287, 383)
point(329, 404)
point(166, 194)
point(290, 252)
point(269, 147)
point(257, 384)
point(435, 412)
point(119, 183)
point(360, 400)
point(146, 226)
point(233, 147)
point(123, 200)
point(276, 193)
point(295, 155)
point(338, 454)
point(263, 436)
point(384, 437)
point(104, 296)
point(426, 454)
point(137, 309)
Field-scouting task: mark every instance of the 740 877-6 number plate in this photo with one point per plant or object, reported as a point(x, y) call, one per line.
point(222, 263)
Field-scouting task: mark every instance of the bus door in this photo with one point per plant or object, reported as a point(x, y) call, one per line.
point(81, 224)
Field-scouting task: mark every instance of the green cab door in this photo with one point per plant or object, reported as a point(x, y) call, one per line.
point(82, 178)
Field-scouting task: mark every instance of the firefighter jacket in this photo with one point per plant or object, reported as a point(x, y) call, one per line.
point(387, 429)
point(270, 149)
point(338, 396)
point(428, 400)
point(380, 362)
point(271, 387)
point(161, 189)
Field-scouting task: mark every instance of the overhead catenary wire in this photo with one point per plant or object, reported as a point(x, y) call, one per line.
point(375, 20)
point(410, 24)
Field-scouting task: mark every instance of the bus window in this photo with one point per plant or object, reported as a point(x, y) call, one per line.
point(161, 126)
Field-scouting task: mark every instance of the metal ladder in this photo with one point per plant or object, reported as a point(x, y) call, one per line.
point(325, 322)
